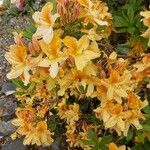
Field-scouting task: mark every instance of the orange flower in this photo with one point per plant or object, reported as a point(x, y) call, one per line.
point(113, 146)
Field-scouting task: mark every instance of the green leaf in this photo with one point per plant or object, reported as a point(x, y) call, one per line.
point(121, 30)
point(52, 123)
point(130, 135)
point(146, 127)
point(130, 13)
point(131, 29)
point(105, 140)
point(146, 110)
point(30, 30)
point(19, 84)
point(92, 135)
point(96, 147)
point(31, 88)
point(120, 22)
point(88, 142)
point(140, 137)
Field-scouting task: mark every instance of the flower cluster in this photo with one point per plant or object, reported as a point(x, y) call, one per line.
point(64, 61)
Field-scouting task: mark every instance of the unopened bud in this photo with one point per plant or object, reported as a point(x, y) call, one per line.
point(20, 4)
point(34, 47)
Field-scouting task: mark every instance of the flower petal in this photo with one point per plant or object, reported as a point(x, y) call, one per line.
point(54, 69)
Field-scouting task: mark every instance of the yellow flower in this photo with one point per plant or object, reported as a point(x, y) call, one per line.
point(117, 86)
point(80, 51)
point(144, 64)
point(25, 120)
point(146, 21)
point(68, 112)
point(20, 61)
point(54, 55)
point(45, 22)
point(95, 12)
point(113, 146)
point(112, 116)
point(39, 135)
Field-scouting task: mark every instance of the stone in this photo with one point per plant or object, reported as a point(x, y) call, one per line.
point(15, 145)
point(7, 106)
point(8, 88)
point(58, 144)
point(6, 128)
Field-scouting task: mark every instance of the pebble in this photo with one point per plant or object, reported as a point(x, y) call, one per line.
point(7, 106)
point(15, 145)
point(6, 128)
point(8, 88)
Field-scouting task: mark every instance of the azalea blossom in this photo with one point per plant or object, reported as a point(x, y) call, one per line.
point(45, 23)
point(117, 86)
point(39, 135)
point(96, 12)
point(54, 55)
point(80, 51)
point(20, 61)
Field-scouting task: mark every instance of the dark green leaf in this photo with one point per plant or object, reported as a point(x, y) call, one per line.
point(88, 142)
point(130, 135)
point(146, 110)
point(131, 29)
point(146, 127)
point(92, 135)
point(19, 84)
point(105, 140)
point(130, 13)
point(120, 22)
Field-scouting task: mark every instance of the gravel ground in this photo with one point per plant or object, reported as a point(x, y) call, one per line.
point(8, 103)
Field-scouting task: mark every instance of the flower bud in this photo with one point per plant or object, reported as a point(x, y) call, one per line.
point(34, 47)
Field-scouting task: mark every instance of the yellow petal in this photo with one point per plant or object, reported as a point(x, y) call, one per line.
point(101, 23)
point(45, 47)
point(46, 12)
point(121, 124)
point(82, 59)
point(16, 122)
point(54, 69)
point(83, 43)
point(26, 75)
point(121, 92)
point(111, 122)
point(110, 93)
point(71, 42)
point(113, 55)
point(15, 72)
point(44, 32)
point(36, 17)
point(147, 33)
point(105, 116)
point(84, 3)
point(90, 89)
point(44, 63)
point(48, 36)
